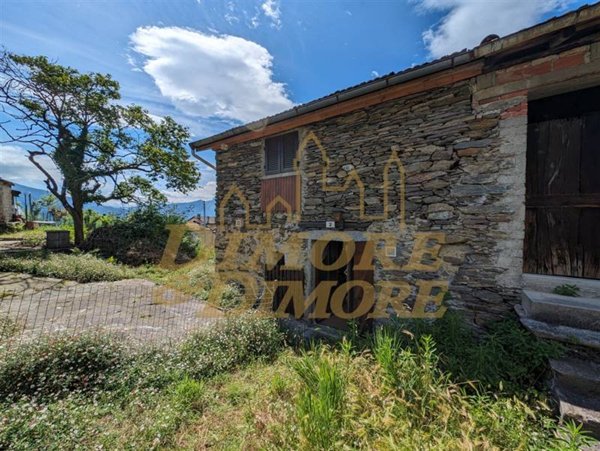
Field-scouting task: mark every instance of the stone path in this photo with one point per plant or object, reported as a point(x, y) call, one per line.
point(137, 309)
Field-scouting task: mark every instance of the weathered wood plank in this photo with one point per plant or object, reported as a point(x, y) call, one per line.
point(562, 221)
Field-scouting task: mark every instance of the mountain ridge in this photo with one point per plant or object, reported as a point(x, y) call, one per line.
point(185, 209)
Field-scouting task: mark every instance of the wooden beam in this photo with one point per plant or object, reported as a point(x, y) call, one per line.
point(416, 86)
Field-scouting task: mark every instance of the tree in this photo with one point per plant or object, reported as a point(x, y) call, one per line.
point(102, 149)
point(48, 202)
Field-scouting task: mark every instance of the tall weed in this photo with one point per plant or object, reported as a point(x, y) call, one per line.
point(320, 403)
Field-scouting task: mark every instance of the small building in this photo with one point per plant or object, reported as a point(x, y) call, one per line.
point(489, 158)
point(8, 201)
point(471, 182)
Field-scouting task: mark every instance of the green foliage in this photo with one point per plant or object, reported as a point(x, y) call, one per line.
point(320, 403)
point(139, 238)
point(567, 289)
point(8, 327)
point(11, 228)
point(93, 393)
point(34, 237)
point(230, 297)
point(399, 397)
point(190, 394)
point(195, 278)
point(63, 424)
point(571, 437)
point(234, 342)
point(92, 220)
point(57, 365)
point(78, 267)
point(103, 149)
point(506, 354)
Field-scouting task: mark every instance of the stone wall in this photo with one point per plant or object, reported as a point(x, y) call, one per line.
point(462, 153)
point(6, 209)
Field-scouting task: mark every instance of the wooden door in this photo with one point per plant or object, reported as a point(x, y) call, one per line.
point(278, 274)
point(363, 268)
point(352, 271)
point(562, 233)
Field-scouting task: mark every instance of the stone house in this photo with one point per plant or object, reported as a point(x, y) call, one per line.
point(485, 161)
point(470, 182)
point(7, 201)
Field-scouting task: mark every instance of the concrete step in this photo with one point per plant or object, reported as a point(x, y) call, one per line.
point(564, 334)
point(588, 288)
point(577, 376)
point(581, 409)
point(575, 312)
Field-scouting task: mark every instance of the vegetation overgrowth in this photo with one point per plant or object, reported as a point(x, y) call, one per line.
point(34, 237)
point(139, 237)
point(75, 266)
point(238, 385)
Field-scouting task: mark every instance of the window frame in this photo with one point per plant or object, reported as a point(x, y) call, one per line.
point(279, 142)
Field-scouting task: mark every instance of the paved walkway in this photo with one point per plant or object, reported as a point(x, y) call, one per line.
point(137, 309)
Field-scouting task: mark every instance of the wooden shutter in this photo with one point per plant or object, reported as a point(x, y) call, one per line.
point(290, 147)
point(272, 155)
point(280, 152)
point(279, 186)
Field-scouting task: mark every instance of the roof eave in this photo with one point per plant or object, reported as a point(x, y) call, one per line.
point(446, 63)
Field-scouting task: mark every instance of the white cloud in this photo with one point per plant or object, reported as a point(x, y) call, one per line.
point(254, 21)
point(272, 11)
point(374, 74)
point(16, 167)
point(230, 16)
point(467, 22)
point(211, 75)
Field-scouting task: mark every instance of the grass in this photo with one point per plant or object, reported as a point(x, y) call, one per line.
point(34, 237)
point(238, 387)
point(567, 289)
point(92, 391)
point(196, 278)
point(78, 267)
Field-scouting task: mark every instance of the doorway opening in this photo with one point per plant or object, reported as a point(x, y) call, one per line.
point(356, 267)
point(562, 221)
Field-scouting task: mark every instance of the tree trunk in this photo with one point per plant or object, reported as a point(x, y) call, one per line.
point(78, 227)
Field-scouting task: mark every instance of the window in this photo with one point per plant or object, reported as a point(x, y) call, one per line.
point(280, 152)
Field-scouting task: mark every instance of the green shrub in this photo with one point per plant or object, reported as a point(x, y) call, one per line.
point(79, 267)
point(505, 354)
point(67, 423)
point(235, 341)
point(140, 237)
point(57, 365)
point(8, 327)
point(230, 297)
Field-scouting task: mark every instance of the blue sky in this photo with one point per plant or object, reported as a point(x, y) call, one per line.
point(215, 64)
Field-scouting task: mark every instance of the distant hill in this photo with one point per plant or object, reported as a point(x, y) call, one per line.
point(185, 209)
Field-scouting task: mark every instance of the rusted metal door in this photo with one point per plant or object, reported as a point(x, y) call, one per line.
point(562, 234)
